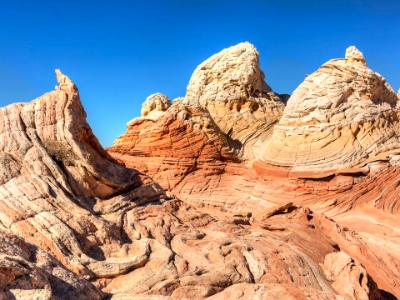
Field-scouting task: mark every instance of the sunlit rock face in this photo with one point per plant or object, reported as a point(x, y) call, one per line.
point(230, 86)
point(186, 205)
point(182, 144)
point(342, 116)
point(55, 182)
point(227, 113)
point(216, 152)
point(154, 106)
point(75, 224)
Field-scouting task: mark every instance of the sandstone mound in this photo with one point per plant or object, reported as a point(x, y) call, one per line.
point(154, 106)
point(342, 116)
point(227, 112)
point(183, 143)
point(231, 86)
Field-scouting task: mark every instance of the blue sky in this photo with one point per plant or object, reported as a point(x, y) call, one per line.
point(119, 52)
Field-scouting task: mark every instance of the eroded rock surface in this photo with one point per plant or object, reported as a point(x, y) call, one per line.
point(231, 86)
point(191, 203)
point(342, 116)
point(334, 149)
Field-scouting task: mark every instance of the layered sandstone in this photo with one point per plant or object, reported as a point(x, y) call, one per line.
point(55, 181)
point(335, 149)
point(99, 229)
point(197, 214)
point(182, 143)
point(231, 86)
point(341, 118)
point(227, 113)
point(28, 272)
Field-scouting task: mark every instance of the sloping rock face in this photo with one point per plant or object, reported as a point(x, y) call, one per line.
point(342, 117)
point(55, 181)
point(27, 272)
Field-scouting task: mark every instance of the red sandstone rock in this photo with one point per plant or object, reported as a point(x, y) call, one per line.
point(245, 190)
point(198, 213)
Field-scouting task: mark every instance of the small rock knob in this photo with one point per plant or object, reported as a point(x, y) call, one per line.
point(354, 54)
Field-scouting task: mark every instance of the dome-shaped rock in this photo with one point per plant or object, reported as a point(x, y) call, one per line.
point(155, 105)
point(341, 116)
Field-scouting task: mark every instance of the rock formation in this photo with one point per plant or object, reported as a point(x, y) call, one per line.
point(154, 106)
point(222, 194)
point(342, 117)
point(182, 143)
point(231, 86)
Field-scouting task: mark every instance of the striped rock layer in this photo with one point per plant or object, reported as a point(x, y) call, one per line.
point(333, 148)
point(184, 205)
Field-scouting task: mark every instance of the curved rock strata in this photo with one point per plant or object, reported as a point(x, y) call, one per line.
point(230, 86)
point(205, 209)
point(57, 179)
point(342, 117)
point(334, 149)
point(182, 144)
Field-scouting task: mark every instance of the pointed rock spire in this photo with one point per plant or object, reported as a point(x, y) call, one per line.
point(64, 83)
point(352, 53)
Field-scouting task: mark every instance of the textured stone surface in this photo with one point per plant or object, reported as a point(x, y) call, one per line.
point(231, 86)
point(341, 117)
point(27, 272)
point(154, 106)
point(183, 144)
point(333, 150)
point(201, 213)
point(56, 180)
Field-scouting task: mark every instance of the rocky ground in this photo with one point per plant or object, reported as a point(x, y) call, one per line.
point(230, 192)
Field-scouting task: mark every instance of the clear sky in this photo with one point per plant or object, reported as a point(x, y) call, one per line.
point(119, 52)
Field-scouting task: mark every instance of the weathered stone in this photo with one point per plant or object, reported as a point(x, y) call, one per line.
point(342, 116)
point(202, 217)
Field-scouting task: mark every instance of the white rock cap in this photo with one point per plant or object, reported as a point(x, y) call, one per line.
point(354, 54)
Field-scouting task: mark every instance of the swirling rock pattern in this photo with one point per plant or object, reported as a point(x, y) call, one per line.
point(231, 86)
point(188, 204)
point(342, 116)
point(334, 149)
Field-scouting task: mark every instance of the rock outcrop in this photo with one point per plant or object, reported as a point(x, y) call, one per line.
point(334, 149)
point(27, 272)
point(154, 106)
point(195, 201)
point(183, 143)
point(342, 117)
point(55, 182)
point(227, 113)
point(231, 86)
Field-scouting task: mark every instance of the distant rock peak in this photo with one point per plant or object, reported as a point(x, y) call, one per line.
point(352, 53)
